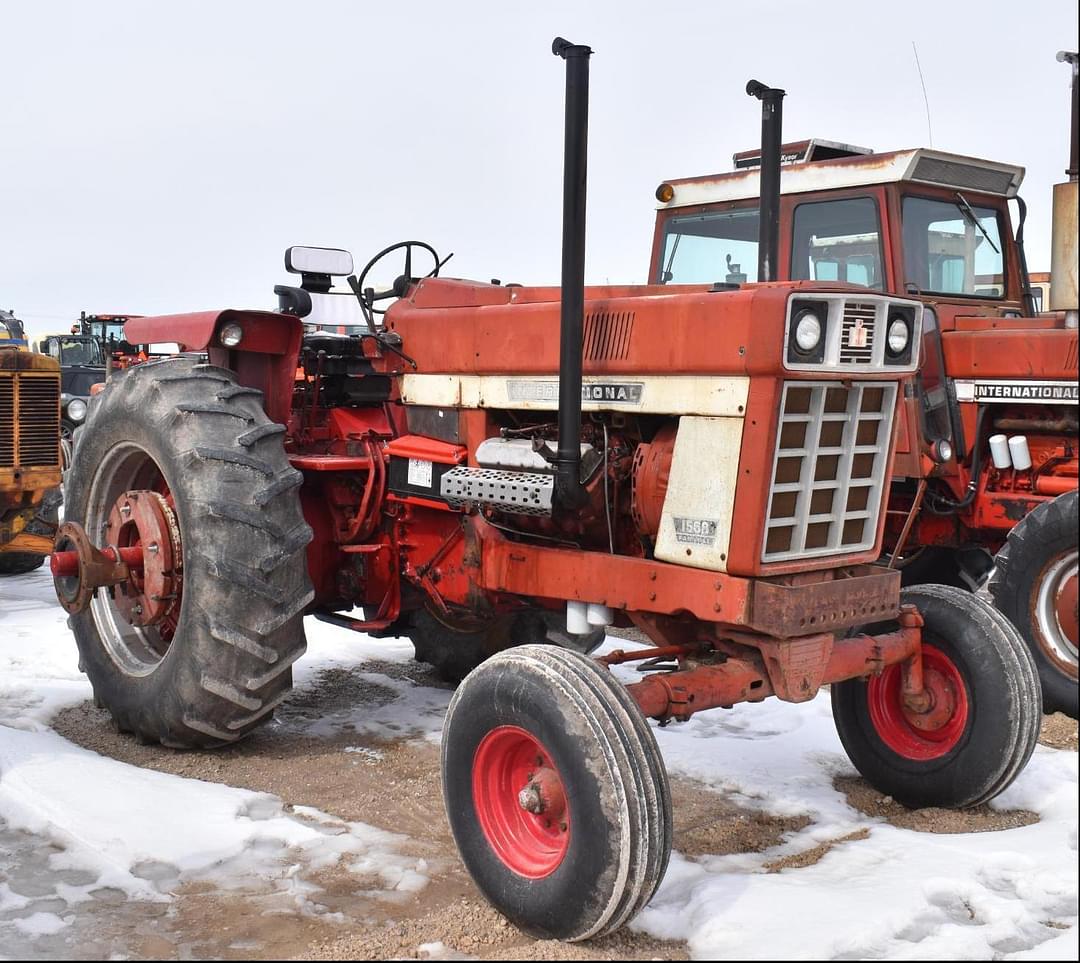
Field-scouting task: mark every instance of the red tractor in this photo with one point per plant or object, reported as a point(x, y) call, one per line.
point(985, 475)
point(108, 330)
point(500, 472)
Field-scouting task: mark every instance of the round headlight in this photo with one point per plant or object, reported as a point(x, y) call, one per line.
point(231, 335)
point(807, 332)
point(942, 451)
point(76, 409)
point(899, 336)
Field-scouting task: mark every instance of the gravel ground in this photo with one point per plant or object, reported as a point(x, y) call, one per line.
point(394, 785)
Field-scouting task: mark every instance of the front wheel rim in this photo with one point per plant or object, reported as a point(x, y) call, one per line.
point(520, 802)
point(1055, 612)
point(899, 727)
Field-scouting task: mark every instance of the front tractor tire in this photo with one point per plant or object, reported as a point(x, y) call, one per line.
point(984, 719)
point(1035, 585)
point(216, 658)
point(556, 793)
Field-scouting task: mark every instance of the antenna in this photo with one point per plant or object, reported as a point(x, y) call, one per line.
point(926, 100)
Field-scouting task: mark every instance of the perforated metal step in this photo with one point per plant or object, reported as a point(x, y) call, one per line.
point(524, 493)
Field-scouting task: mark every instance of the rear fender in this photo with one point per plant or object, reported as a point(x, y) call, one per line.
point(266, 357)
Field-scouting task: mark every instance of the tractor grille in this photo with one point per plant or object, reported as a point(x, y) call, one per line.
point(7, 422)
point(832, 452)
point(857, 333)
point(30, 421)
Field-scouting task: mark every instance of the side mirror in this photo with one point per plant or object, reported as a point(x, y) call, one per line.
point(318, 260)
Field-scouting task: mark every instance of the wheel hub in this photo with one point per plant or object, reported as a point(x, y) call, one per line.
point(543, 795)
point(1055, 612)
point(929, 728)
point(142, 560)
point(940, 703)
point(521, 802)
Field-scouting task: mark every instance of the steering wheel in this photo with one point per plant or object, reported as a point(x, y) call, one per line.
point(369, 296)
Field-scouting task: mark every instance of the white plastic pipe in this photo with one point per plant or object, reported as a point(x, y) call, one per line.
point(1021, 454)
point(599, 614)
point(999, 451)
point(577, 618)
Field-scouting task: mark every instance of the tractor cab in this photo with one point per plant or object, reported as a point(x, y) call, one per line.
point(912, 222)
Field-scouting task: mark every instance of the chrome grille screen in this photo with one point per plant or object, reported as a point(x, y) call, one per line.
point(857, 333)
point(832, 451)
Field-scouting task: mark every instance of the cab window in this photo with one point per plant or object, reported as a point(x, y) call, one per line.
point(953, 247)
point(704, 248)
point(838, 241)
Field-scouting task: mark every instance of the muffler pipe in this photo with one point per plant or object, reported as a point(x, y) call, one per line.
point(772, 122)
point(569, 492)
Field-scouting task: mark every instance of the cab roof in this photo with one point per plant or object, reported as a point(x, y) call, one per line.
point(919, 165)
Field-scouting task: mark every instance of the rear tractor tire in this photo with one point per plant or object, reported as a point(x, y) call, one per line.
point(1035, 585)
point(216, 658)
point(455, 649)
point(976, 666)
point(556, 793)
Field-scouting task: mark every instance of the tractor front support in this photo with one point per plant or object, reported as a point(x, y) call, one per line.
point(752, 668)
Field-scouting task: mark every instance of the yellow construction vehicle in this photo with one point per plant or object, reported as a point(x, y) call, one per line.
point(29, 450)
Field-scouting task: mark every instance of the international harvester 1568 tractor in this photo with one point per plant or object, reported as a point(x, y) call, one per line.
point(29, 450)
point(490, 465)
point(986, 468)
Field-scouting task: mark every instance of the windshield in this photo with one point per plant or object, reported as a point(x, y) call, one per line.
point(76, 351)
point(951, 247)
point(704, 248)
point(837, 241)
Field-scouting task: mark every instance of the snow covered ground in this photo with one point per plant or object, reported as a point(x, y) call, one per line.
point(75, 825)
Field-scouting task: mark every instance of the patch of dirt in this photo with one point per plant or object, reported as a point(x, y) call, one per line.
point(814, 855)
point(470, 926)
point(1059, 732)
point(982, 819)
point(393, 785)
point(348, 774)
point(708, 824)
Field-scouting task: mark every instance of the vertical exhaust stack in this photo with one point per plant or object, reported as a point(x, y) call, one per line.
point(569, 492)
point(772, 118)
point(1063, 253)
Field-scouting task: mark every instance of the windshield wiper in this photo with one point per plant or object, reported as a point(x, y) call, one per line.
point(969, 215)
point(666, 275)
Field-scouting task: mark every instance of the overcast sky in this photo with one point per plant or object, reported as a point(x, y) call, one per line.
point(160, 157)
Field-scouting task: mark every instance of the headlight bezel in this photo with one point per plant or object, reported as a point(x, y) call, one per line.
point(76, 409)
point(899, 314)
point(800, 309)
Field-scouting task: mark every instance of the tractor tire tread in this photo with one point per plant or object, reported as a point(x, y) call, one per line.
point(241, 622)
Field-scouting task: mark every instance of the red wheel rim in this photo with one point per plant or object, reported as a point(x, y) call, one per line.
point(520, 802)
point(920, 736)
